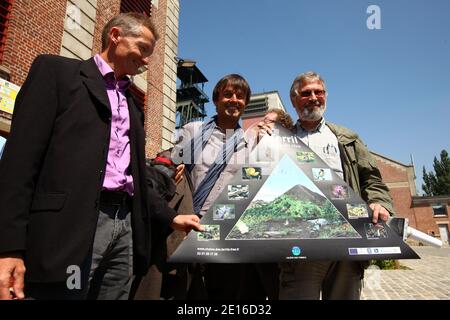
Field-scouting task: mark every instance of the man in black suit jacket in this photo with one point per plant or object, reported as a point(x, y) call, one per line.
point(73, 196)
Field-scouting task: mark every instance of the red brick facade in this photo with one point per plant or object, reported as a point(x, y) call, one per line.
point(419, 211)
point(396, 176)
point(155, 95)
point(36, 27)
point(426, 222)
point(106, 9)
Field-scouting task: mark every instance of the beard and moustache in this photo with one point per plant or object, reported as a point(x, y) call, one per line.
point(311, 113)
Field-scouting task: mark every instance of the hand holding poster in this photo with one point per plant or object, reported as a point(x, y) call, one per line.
point(287, 204)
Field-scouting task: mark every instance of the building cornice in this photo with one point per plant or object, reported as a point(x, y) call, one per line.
point(416, 200)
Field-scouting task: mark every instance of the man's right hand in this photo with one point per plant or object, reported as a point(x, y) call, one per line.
point(179, 173)
point(12, 274)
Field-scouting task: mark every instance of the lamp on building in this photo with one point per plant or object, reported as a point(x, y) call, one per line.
point(186, 63)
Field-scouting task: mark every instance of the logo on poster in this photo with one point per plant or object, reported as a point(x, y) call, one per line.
point(296, 251)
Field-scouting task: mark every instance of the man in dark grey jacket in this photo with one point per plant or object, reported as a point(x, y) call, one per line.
point(347, 155)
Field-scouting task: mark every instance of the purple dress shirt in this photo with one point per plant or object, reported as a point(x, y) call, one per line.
point(117, 176)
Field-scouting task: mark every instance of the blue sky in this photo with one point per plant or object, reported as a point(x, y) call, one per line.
point(391, 86)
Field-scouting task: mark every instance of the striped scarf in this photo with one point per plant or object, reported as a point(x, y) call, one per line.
point(198, 143)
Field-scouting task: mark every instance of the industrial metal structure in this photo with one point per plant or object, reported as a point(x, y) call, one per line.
point(191, 98)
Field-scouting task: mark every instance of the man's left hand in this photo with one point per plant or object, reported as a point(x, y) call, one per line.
point(379, 212)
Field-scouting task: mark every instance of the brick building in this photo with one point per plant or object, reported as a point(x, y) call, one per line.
point(427, 214)
point(432, 215)
point(72, 28)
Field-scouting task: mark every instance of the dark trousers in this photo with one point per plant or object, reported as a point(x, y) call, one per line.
point(107, 272)
point(248, 281)
point(333, 280)
point(222, 280)
point(259, 281)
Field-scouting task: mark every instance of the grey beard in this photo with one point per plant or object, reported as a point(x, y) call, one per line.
point(314, 115)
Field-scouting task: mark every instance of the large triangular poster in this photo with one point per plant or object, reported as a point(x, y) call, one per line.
point(294, 207)
point(284, 204)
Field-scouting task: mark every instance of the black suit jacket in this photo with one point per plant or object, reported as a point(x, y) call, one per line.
point(52, 169)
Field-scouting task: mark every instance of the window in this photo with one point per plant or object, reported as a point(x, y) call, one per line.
point(439, 209)
point(5, 15)
point(141, 6)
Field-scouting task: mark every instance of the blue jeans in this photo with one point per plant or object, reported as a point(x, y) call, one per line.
point(107, 272)
point(111, 271)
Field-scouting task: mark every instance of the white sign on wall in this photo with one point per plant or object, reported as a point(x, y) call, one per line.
point(8, 94)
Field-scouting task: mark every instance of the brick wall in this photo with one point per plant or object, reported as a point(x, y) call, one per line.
point(425, 220)
point(106, 9)
point(36, 27)
point(155, 78)
point(400, 180)
point(153, 81)
point(403, 205)
point(391, 173)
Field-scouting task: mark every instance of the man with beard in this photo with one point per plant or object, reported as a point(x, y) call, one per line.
point(347, 155)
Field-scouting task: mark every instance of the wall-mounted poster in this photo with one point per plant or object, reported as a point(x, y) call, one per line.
point(289, 206)
point(8, 94)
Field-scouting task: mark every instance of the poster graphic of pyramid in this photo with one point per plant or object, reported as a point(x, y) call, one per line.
point(284, 203)
point(290, 206)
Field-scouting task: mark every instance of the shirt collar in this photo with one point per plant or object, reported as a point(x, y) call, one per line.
point(238, 127)
point(317, 129)
point(108, 75)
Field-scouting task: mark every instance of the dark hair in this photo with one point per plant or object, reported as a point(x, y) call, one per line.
point(236, 81)
point(130, 24)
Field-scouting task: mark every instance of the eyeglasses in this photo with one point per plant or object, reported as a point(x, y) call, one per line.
point(308, 93)
point(269, 121)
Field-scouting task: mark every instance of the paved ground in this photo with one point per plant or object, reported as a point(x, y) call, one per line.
point(428, 279)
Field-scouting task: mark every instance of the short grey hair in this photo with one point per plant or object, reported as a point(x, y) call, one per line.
point(130, 24)
point(306, 77)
